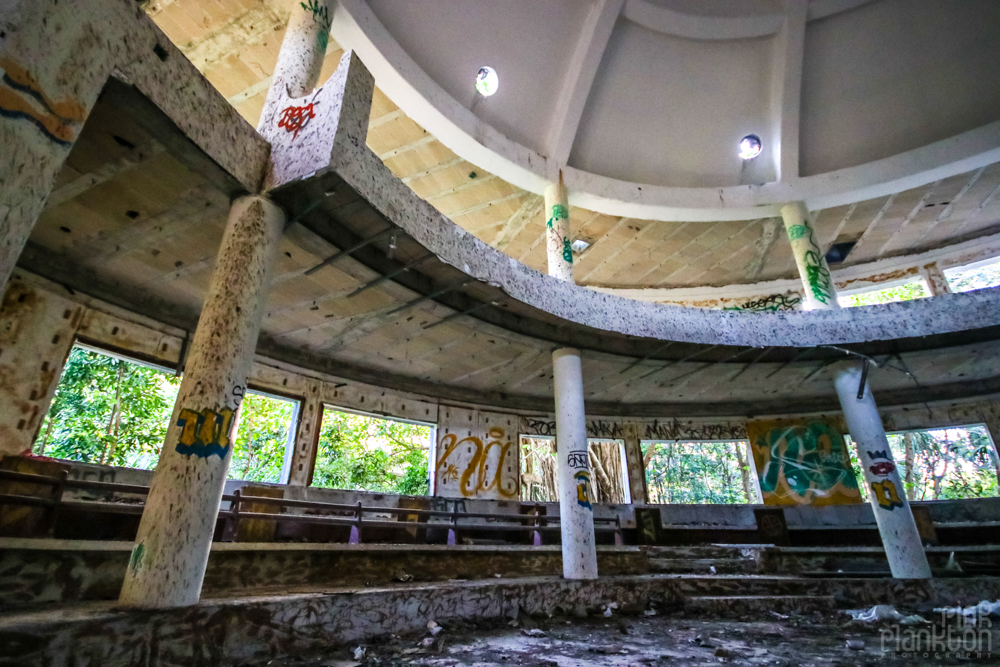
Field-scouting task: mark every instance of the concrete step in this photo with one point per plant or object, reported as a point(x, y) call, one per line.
point(703, 565)
point(706, 551)
point(743, 606)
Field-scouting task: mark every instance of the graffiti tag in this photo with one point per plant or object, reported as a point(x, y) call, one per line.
point(886, 494)
point(583, 489)
point(578, 460)
point(559, 212)
point(475, 479)
point(883, 468)
point(602, 429)
point(439, 504)
point(320, 15)
point(567, 250)
point(538, 427)
point(770, 304)
point(205, 433)
point(675, 430)
point(22, 98)
point(295, 119)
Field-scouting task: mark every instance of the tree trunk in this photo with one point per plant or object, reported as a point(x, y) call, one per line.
point(109, 451)
point(648, 456)
point(741, 458)
point(52, 421)
point(910, 462)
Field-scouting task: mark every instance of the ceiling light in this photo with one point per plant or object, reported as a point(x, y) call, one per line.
point(487, 81)
point(579, 245)
point(750, 147)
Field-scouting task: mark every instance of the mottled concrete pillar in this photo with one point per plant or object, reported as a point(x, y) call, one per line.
point(171, 552)
point(885, 490)
point(579, 548)
point(937, 284)
point(302, 53)
point(557, 240)
point(306, 437)
point(576, 513)
point(810, 259)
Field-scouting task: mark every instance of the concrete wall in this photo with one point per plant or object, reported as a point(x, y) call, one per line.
point(35, 330)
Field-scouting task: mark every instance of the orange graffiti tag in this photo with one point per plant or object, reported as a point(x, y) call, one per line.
point(21, 97)
point(476, 467)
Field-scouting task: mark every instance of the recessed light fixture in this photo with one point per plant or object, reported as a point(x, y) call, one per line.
point(750, 147)
point(487, 81)
point(579, 245)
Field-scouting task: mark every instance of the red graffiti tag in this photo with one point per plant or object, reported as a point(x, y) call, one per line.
point(294, 119)
point(883, 468)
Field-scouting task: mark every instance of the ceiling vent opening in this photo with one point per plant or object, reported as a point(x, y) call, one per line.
point(487, 81)
point(750, 147)
point(579, 245)
point(838, 252)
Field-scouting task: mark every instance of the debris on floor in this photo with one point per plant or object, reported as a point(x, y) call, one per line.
point(668, 639)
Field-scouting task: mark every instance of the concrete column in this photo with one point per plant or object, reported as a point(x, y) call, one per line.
point(886, 493)
point(818, 287)
point(576, 514)
point(306, 437)
point(557, 240)
point(171, 552)
point(301, 56)
point(937, 284)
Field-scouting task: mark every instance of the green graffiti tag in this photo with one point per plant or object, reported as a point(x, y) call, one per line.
point(817, 274)
point(320, 15)
point(814, 460)
point(797, 232)
point(135, 560)
point(559, 212)
point(567, 250)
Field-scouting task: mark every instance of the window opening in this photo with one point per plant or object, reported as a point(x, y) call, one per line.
point(265, 438)
point(905, 292)
point(699, 472)
point(950, 463)
point(540, 478)
point(968, 278)
point(363, 452)
point(108, 409)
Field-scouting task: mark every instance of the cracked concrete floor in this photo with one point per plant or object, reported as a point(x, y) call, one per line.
point(636, 641)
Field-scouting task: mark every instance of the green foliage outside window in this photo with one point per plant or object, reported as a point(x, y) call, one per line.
point(259, 450)
point(364, 453)
point(697, 473)
point(107, 410)
point(907, 292)
point(973, 279)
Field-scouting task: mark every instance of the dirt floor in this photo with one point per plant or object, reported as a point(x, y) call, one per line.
point(819, 639)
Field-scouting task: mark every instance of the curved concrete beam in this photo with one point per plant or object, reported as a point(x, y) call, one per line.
point(363, 171)
point(668, 22)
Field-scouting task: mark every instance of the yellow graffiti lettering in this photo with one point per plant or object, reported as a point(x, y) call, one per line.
point(204, 433)
point(475, 478)
point(886, 494)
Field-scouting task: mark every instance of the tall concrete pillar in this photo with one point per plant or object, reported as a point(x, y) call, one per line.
point(818, 287)
point(557, 240)
point(579, 547)
point(937, 283)
point(885, 490)
point(301, 56)
point(168, 561)
point(576, 514)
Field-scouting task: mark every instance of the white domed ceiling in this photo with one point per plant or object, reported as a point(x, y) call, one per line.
point(641, 103)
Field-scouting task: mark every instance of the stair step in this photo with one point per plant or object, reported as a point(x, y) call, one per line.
point(703, 565)
point(737, 606)
point(701, 552)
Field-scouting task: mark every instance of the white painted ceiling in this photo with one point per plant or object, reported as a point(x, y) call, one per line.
point(641, 103)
